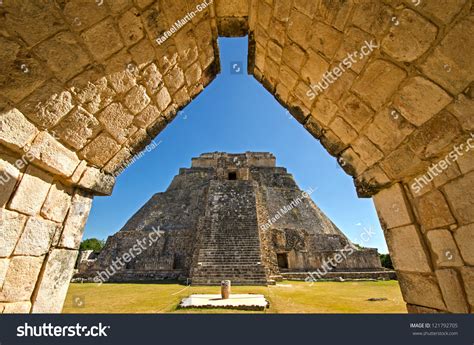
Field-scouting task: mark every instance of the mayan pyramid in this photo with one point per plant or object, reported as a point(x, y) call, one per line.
point(229, 216)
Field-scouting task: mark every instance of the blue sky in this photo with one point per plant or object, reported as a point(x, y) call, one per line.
point(236, 114)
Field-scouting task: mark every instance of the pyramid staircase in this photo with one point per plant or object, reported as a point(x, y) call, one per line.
point(229, 242)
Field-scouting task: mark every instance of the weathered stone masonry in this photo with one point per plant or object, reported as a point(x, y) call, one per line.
point(83, 87)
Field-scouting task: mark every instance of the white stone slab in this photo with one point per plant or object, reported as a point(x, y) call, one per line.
point(235, 301)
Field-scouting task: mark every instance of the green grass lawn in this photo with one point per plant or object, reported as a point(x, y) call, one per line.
point(285, 297)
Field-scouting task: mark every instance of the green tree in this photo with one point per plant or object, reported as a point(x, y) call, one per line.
point(386, 261)
point(92, 244)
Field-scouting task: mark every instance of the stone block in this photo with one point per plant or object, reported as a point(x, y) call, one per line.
point(343, 130)
point(392, 207)
point(443, 10)
point(451, 64)
point(174, 79)
point(149, 115)
point(444, 249)
point(314, 69)
point(77, 128)
point(351, 163)
point(407, 250)
point(36, 237)
point(163, 99)
point(47, 104)
point(421, 289)
point(371, 182)
point(188, 50)
point(339, 88)
point(419, 100)
point(54, 282)
point(152, 78)
point(102, 39)
point(32, 191)
point(461, 108)
point(306, 6)
point(402, 163)
point(452, 290)
point(411, 38)
point(416, 309)
point(433, 211)
point(325, 39)
point(101, 149)
point(97, 181)
point(354, 40)
point(9, 175)
point(467, 274)
point(51, 155)
point(264, 14)
point(16, 307)
point(367, 151)
point(293, 56)
point(324, 110)
point(21, 278)
point(118, 6)
point(63, 55)
point(274, 51)
point(76, 220)
point(436, 136)
point(82, 15)
point(12, 224)
point(288, 77)
point(193, 74)
point(388, 130)
point(155, 128)
point(372, 17)
point(15, 84)
point(460, 195)
point(137, 99)
point(16, 132)
point(119, 162)
point(378, 82)
point(356, 113)
point(232, 8)
point(143, 53)
point(281, 10)
point(47, 21)
point(297, 28)
point(116, 119)
point(78, 172)
point(464, 236)
point(131, 26)
point(332, 143)
point(57, 203)
point(122, 81)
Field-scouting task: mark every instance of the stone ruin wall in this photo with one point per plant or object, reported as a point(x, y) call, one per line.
point(84, 88)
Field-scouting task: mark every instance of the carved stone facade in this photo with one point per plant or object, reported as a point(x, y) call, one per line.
point(214, 229)
point(84, 86)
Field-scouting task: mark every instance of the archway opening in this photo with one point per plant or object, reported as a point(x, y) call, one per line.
point(320, 174)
